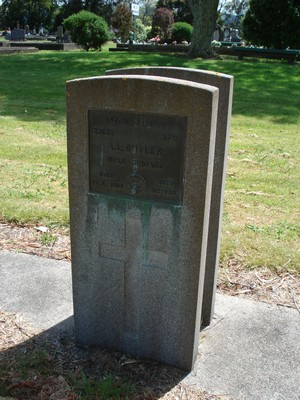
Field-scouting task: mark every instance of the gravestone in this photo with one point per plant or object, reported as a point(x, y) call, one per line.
point(17, 34)
point(60, 34)
point(227, 32)
point(225, 85)
point(66, 37)
point(140, 161)
point(235, 36)
point(27, 30)
point(217, 35)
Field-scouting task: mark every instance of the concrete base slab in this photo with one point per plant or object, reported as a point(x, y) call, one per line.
point(251, 351)
point(38, 288)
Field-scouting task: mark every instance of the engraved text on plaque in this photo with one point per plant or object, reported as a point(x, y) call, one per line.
point(136, 155)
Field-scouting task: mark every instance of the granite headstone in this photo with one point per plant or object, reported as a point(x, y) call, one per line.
point(140, 160)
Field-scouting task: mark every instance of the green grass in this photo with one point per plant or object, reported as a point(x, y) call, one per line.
point(261, 210)
point(27, 374)
point(108, 388)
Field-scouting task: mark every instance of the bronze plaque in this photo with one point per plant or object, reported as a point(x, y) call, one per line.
point(136, 155)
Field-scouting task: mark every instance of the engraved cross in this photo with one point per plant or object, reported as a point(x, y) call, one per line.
point(134, 257)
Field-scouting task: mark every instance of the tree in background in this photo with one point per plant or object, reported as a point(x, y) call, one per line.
point(122, 21)
point(147, 9)
point(205, 14)
point(87, 30)
point(231, 12)
point(13, 12)
point(233, 6)
point(182, 31)
point(162, 22)
point(68, 8)
point(181, 9)
point(273, 23)
point(103, 8)
point(27, 12)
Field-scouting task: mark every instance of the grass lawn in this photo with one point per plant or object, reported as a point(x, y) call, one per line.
point(261, 212)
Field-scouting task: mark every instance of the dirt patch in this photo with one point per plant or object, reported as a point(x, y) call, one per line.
point(38, 366)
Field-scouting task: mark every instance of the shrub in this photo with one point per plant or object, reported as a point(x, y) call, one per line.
point(182, 31)
point(87, 30)
point(216, 43)
point(141, 33)
point(148, 30)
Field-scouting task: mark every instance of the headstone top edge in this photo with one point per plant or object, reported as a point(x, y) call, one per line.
point(145, 78)
point(193, 70)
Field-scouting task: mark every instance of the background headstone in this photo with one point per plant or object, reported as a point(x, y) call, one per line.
point(227, 34)
point(225, 85)
point(139, 250)
point(66, 37)
point(235, 36)
point(217, 35)
point(60, 33)
point(17, 34)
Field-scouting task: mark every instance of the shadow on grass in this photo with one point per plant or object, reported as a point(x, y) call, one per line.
point(50, 365)
point(36, 82)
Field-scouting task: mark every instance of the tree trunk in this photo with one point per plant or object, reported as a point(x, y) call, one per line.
point(205, 18)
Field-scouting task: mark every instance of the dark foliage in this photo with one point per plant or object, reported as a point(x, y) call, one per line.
point(103, 8)
point(50, 13)
point(122, 21)
point(273, 23)
point(162, 22)
point(29, 12)
point(181, 9)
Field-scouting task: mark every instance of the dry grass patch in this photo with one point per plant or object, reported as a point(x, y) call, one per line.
point(36, 239)
point(280, 286)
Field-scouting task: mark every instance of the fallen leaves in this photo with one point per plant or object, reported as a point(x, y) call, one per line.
point(32, 240)
point(280, 288)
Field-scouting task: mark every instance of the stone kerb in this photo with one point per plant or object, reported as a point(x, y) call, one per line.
point(225, 85)
point(137, 243)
